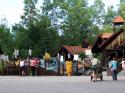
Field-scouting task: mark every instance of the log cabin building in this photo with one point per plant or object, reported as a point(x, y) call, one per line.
point(111, 44)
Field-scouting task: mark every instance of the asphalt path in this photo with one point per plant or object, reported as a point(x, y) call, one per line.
point(60, 84)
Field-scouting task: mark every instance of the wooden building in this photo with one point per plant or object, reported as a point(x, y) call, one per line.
point(69, 51)
point(113, 44)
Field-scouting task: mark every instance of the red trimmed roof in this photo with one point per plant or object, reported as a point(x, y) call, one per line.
point(99, 40)
point(106, 35)
point(109, 40)
point(118, 19)
point(75, 49)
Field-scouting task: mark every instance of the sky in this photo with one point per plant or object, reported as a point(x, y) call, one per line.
point(13, 9)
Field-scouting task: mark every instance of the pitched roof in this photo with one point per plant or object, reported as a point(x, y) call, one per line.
point(106, 35)
point(99, 41)
point(75, 49)
point(109, 40)
point(118, 19)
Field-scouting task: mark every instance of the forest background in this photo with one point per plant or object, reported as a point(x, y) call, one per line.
point(56, 23)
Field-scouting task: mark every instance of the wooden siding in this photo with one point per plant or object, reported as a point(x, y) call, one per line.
point(117, 41)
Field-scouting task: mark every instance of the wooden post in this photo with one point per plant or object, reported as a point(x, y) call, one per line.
point(123, 53)
point(76, 67)
point(63, 69)
point(58, 66)
point(2, 72)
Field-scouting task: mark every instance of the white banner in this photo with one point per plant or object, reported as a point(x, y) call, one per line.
point(88, 52)
point(61, 59)
point(69, 55)
point(76, 57)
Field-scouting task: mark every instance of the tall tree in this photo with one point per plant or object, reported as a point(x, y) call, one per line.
point(30, 12)
point(121, 9)
point(98, 12)
point(6, 39)
point(70, 18)
point(36, 32)
point(109, 16)
point(122, 1)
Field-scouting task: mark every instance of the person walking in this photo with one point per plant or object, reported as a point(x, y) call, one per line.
point(95, 64)
point(69, 67)
point(33, 64)
point(113, 64)
point(22, 67)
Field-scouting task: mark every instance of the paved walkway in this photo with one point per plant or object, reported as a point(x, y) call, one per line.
point(60, 84)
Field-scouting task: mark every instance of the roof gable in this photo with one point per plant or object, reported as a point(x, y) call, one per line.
point(75, 49)
point(106, 35)
point(118, 19)
point(114, 41)
point(99, 40)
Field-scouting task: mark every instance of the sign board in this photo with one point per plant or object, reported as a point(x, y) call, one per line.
point(69, 55)
point(61, 59)
point(76, 57)
point(88, 52)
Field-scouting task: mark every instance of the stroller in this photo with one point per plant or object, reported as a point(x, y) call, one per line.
point(98, 73)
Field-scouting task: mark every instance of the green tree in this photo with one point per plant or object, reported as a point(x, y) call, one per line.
point(98, 12)
point(71, 18)
point(56, 23)
point(30, 12)
point(109, 16)
point(6, 39)
point(121, 9)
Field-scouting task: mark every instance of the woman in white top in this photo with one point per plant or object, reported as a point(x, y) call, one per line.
point(22, 67)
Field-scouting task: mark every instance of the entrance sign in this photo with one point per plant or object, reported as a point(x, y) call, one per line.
point(69, 55)
point(61, 59)
point(76, 57)
point(88, 52)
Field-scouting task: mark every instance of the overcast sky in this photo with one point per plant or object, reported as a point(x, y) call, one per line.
point(12, 9)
